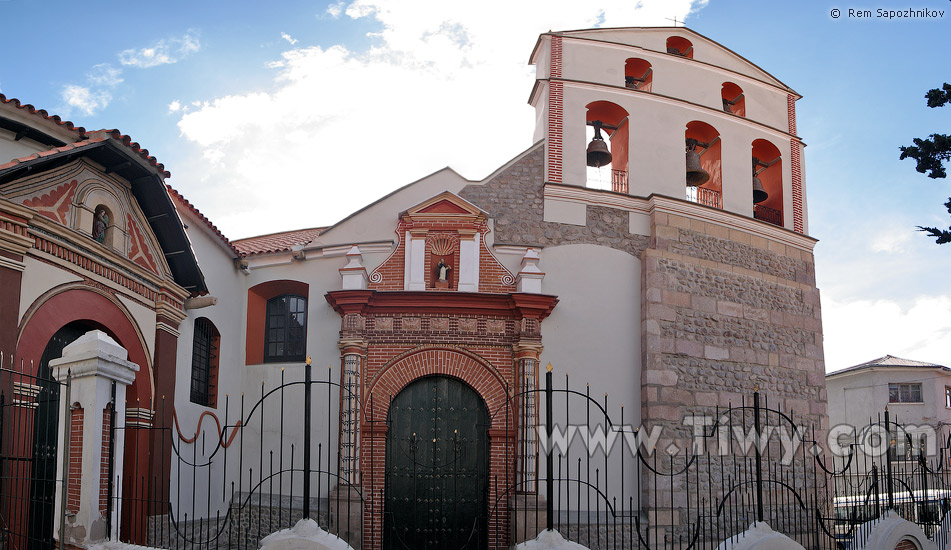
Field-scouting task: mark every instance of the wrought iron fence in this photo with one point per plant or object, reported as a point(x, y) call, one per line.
point(594, 477)
point(29, 429)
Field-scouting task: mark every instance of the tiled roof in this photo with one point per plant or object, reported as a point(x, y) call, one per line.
point(94, 137)
point(80, 131)
point(277, 242)
point(890, 361)
point(178, 197)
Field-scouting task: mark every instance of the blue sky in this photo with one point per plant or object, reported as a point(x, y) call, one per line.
point(286, 115)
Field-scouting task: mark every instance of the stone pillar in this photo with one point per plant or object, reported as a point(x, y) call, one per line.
point(100, 374)
point(346, 506)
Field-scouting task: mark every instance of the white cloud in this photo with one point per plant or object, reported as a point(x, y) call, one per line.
point(444, 84)
point(174, 106)
point(163, 52)
point(289, 38)
point(860, 330)
point(104, 74)
point(335, 10)
point(86, 100)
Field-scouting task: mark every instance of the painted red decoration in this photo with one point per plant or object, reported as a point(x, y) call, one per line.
point(55, 204)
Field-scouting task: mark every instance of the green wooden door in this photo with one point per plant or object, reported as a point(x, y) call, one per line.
point(436, 468)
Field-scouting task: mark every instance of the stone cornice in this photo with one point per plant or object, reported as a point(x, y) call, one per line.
point(514, 305)
point(669, 205)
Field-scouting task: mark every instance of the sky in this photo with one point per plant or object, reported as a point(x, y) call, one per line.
point(286, 115)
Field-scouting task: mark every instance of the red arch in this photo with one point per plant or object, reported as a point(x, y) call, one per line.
point(474, 371)
point(50, 313)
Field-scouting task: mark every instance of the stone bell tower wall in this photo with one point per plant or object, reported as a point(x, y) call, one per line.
point(729, 305)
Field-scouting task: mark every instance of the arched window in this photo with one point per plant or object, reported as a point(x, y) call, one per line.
point(704, 175)
point(767, 182)
point(638, 74)
point(733, 99)
point(604, 117)
point(205, 345)
point(679, 45)
point(286, 330)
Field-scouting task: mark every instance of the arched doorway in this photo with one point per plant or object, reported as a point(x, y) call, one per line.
point(437, 465)
point(45, 433)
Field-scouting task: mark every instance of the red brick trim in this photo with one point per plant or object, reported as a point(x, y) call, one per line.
point(796, 169)
point(428, 361)
point(74, 488)
point(795, 166)
point(105, 460)
point(556, 98)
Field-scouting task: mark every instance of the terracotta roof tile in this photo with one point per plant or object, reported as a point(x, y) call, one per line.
point(94, 137)
point(80, 131)
point(178, 197)
point(277, 242)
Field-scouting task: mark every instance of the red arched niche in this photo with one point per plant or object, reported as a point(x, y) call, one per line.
point(709, 148)
point(771, 177)
point(83, 304)
point(617, 129)
point(472, 370)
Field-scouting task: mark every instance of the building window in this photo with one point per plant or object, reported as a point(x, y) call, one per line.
point(947, 396)
point(286, 331)
point(904, 393)
point(205, 346)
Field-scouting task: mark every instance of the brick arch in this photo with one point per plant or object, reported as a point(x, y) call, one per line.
point(418, 363)
point(79, 302)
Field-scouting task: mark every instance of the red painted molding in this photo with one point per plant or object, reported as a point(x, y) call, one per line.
point(515, 305)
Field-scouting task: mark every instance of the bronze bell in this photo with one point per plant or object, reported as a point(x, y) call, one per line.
point(598, 153)
point(696, 175)
point(759, 193)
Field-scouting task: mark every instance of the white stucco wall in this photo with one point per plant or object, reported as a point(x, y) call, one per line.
point(593, 335)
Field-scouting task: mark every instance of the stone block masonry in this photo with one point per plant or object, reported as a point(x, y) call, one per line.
point(727, 311)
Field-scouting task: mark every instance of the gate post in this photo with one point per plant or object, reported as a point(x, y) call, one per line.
point(95, 362)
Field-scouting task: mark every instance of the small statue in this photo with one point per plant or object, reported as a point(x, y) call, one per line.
point(442, 270)
point(99, 224)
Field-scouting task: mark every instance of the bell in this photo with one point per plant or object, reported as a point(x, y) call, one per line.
point(696, 175)
point(759, 194)
point(598, 153)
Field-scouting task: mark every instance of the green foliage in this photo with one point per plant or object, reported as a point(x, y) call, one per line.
point(931, 154)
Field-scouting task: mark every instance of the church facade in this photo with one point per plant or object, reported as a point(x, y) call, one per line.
point(652, 244)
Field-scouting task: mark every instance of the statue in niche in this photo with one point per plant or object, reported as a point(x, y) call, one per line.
point(442, 271)
point(99, 224)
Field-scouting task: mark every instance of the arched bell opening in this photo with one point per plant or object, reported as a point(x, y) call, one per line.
point(608, 134)
point(767, 182)
point(638, 74)
point(679, 45)
point(734, 101)
point(703, 176)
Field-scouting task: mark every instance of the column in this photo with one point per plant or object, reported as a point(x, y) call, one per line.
point(99, 371)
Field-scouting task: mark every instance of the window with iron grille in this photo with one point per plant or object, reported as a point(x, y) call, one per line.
point(205, 347)
point(286, 332)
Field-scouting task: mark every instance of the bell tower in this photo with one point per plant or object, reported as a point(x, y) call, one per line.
point(694, 148)
point(619, 108)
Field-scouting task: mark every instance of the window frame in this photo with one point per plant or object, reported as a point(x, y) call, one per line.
point(900, 396)
point(285, 331)
point(206, 344)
